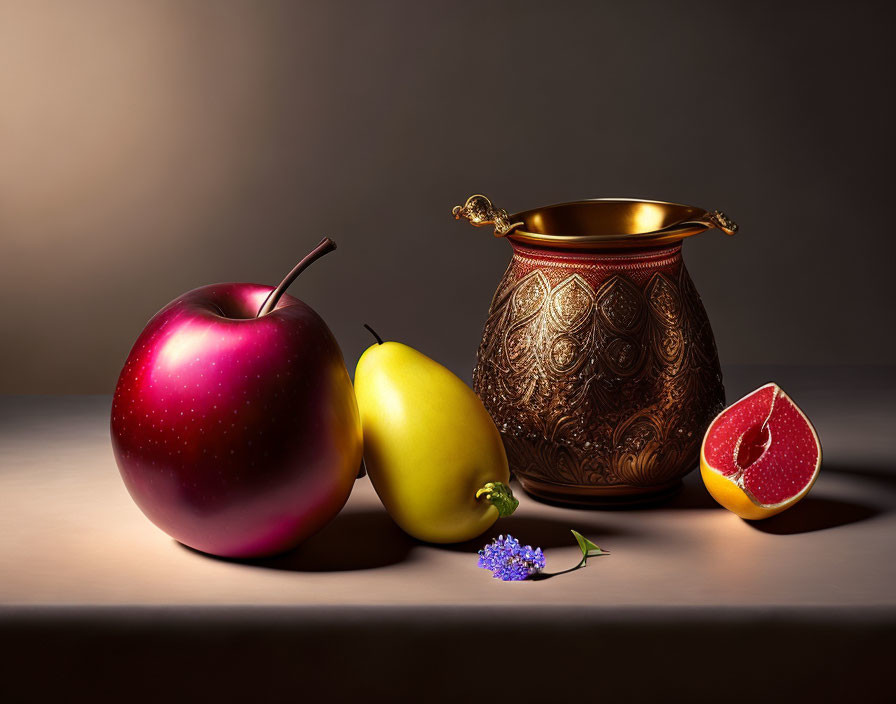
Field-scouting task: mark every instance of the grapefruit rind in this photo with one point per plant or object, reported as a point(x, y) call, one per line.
point(732, 494)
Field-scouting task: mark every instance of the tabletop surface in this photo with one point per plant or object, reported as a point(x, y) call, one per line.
point(71, 536)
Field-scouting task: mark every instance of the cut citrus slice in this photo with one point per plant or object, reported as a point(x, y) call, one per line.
point(760, 455)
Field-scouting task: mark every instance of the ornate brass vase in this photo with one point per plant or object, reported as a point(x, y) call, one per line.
point(597, 362)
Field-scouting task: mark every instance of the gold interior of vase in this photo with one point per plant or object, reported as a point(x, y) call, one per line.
point(609, 222)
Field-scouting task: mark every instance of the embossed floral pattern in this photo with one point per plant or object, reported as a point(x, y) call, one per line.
point(600, 370)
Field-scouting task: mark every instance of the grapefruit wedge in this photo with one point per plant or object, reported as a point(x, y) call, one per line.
point(760, 455)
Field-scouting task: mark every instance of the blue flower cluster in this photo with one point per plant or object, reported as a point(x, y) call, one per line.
point(509, 560)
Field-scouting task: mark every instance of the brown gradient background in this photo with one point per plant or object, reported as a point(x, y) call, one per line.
point(150, 147)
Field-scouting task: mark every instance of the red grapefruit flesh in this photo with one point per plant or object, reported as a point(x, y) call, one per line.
point(760, 455)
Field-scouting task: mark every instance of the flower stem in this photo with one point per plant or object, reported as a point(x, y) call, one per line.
point(548, 575)
point(588, 549)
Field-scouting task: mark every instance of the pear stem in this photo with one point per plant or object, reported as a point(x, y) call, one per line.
point(326, 245)
point(500, 496)
point(379, 340)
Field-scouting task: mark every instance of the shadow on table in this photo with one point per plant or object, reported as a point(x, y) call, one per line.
point(821, 512)
point(359, 540)
point(693, 495)
point(539, 532)
point(815, 513)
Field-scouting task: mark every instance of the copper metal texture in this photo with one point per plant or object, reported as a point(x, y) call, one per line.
point(599, 368)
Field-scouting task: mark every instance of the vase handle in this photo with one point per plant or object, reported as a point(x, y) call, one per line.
point(709, 220)
point(722, 222)
point(480, 212)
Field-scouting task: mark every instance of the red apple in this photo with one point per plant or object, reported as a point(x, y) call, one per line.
point(234, 422)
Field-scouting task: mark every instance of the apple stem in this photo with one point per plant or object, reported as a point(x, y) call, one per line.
point(379, 340)
point(326, 245)
point(500, 496)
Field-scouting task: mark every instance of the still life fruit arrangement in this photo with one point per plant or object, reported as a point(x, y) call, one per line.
point(238, 431)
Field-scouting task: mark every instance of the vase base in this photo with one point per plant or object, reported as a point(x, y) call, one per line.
point(572, 496)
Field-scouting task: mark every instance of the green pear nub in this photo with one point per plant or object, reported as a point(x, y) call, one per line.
point(500, 496)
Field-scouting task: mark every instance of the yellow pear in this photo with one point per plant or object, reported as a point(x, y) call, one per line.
point(431, 449)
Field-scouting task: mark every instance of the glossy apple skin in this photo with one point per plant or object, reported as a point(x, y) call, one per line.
point(238, 436)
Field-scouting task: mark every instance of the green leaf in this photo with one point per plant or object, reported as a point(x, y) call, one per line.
point(588, 548)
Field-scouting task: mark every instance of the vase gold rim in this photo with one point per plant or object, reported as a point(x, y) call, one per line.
point(678, 222)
